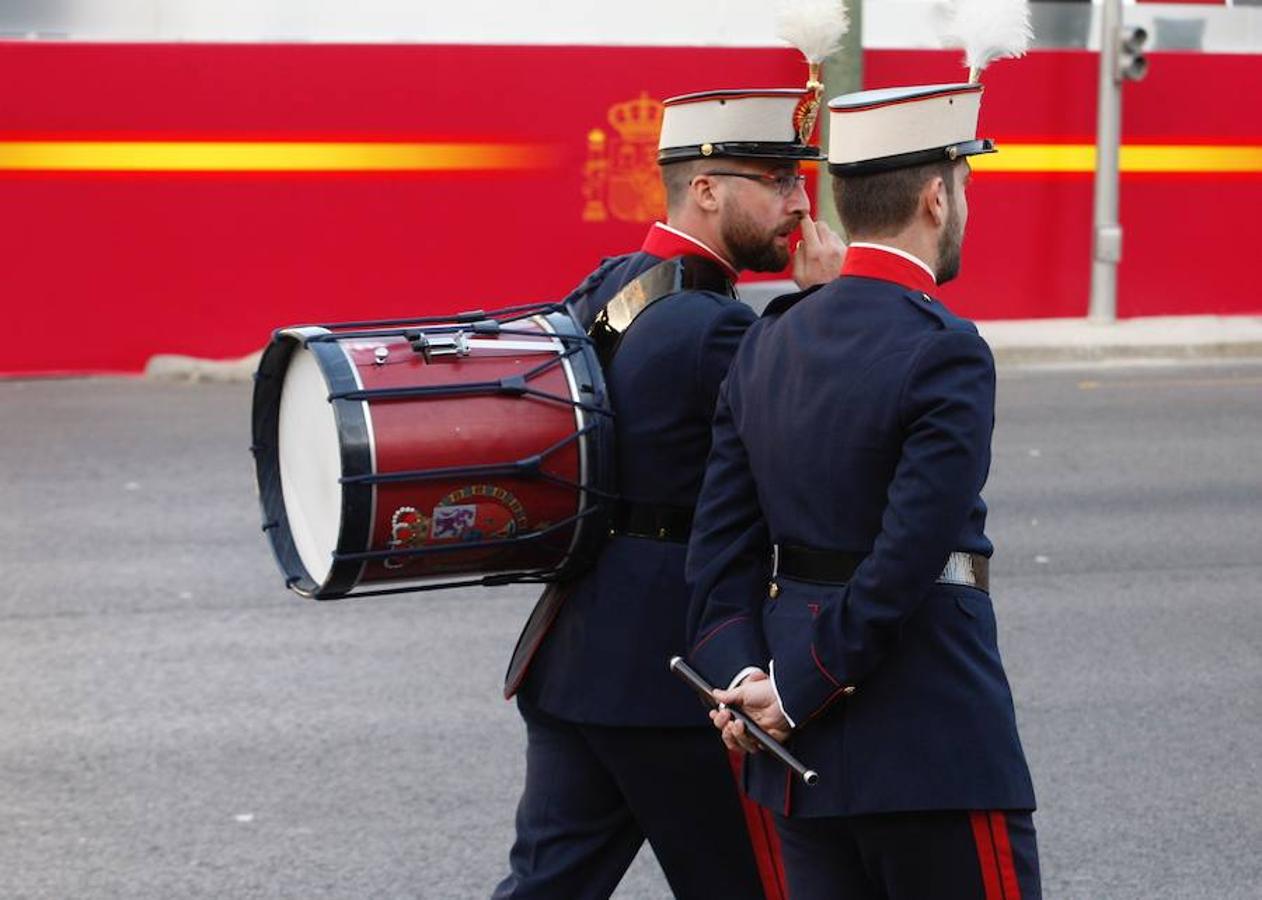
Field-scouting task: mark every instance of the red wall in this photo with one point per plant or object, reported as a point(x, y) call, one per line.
point(207, 263)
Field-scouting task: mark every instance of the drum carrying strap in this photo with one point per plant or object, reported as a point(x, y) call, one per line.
point(671, 276)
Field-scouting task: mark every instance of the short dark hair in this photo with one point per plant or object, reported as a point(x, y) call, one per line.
point(678, 176)
point(884, 202)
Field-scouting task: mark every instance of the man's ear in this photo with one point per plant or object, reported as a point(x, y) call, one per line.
point(703, 193)
point(935, 201)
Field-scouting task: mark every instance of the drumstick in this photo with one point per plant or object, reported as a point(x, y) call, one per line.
point(706, 690)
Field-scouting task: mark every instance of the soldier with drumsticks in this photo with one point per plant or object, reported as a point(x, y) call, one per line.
point(617, 752)
point(840, 548)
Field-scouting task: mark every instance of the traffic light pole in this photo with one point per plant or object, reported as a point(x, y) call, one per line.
point(1107, 232)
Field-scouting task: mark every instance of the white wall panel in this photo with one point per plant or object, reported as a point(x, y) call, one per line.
point(651, 22)
point(748, 23)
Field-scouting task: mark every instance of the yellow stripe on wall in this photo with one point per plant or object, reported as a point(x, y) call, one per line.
point(1036, 158)
point(268, 156)
point(1134, 158)
point(1174, 158)
point(343, 156)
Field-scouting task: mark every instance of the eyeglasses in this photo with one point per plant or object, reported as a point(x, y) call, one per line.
point(784, 185)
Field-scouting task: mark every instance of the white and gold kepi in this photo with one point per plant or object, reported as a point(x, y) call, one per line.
point(894, 128)
point(761, 123)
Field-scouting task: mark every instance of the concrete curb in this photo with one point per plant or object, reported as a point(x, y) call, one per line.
point(1031, 341)
point(1018, 356)
point(172, 367)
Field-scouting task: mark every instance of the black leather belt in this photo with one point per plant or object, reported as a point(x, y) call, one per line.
point(838, 566)
point(648, 520)
point(806, 564)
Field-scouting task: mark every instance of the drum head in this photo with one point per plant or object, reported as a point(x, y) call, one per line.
point(310, 464)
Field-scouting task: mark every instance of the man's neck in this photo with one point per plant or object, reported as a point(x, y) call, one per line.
point(702, 236)
point(923, 251)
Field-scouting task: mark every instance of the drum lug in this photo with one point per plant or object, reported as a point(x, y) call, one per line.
point(530, 464)
point(432, 345)
point(513, 385)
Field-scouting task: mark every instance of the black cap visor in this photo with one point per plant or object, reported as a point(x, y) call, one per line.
point(741, 149)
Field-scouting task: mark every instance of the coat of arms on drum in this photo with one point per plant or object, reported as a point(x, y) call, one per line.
point(620, 177)
point(478, 512)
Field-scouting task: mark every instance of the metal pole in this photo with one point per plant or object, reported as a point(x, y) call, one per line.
point(843, 73)
point(1107, 233)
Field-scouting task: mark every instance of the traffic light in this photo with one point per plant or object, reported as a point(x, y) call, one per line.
point(1132, 65)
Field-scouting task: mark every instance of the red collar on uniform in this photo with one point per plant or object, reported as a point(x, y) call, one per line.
point(669, 243)
point(872, 262)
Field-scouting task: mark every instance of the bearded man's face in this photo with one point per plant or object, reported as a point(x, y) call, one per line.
point(756, 221)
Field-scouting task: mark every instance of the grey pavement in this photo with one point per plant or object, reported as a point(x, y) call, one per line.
point(176, 725)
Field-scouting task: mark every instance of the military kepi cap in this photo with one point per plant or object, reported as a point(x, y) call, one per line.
point(895, 128)
point(763, 123)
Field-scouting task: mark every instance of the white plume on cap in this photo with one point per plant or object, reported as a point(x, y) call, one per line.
point(815, 27)
point(988, 30)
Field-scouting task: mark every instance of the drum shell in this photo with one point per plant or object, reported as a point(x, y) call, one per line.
point(441, 476)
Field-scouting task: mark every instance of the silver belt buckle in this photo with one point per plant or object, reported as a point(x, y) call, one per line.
point(959, 570)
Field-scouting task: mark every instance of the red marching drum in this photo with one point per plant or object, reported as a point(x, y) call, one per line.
point(392, 456)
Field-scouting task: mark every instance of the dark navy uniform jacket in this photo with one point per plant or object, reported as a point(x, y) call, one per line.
point(858, 417)
point(605, 659)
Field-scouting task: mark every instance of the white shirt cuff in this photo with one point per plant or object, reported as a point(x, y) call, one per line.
point(780, 702)
point(742, 675)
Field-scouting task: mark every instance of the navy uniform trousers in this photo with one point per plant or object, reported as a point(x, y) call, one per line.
point(856, 422)
point(619, 750)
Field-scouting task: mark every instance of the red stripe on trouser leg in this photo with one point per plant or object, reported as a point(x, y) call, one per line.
point(986, 855)
point(777, 856)
point(1003, 850)
point(763, 838)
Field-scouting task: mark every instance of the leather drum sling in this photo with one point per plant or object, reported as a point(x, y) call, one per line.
point(667, 278)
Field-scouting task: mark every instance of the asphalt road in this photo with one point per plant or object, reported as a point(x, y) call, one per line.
point(173, 724)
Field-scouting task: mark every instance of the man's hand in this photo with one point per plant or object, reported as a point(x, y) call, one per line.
point(758, 701)
point(817, 257)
